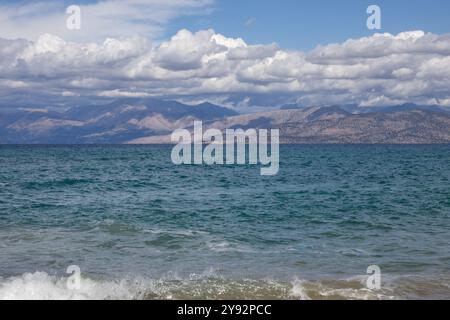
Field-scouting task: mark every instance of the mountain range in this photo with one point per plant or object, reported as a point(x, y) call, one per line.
point(150, 121)
point(117, 122)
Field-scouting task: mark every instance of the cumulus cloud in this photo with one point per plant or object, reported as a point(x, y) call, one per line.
point(185, 51)
point(378, 70)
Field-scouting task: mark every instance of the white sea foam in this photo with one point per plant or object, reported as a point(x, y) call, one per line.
point(41, 286)
point(206, 285)
point(218, 245)
point(298, 290)
point(348, 289)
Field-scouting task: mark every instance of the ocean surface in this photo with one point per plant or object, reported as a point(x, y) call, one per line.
point(140, 227)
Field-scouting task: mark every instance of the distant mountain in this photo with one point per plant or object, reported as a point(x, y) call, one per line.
point(334, 125)
point(116, 122)
point(411, 106)
point(291, 106)
point(353, 108)
point(152, 121)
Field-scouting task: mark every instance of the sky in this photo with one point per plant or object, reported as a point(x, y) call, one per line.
point(297, 24)
point(293, 24)
point(240, 54)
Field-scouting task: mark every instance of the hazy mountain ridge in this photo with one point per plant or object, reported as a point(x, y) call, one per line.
point(334, 125)
point(116, 122)
point(355, 109)
point(150, 121)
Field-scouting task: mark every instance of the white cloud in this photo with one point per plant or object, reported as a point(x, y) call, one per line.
point(122, 94)
point(377, 70)
point(12, 84)
point(99, 20)
point(250, 22)
point(185, 51)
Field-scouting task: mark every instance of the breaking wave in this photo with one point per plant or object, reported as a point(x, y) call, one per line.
point(42, 286)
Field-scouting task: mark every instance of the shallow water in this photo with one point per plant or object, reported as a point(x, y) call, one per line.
point(140, 227)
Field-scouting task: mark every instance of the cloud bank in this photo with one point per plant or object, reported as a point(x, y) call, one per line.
point(379, 70)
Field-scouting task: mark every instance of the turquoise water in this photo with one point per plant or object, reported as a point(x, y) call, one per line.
point(140, 227)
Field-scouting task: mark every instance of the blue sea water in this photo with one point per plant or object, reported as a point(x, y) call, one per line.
point(140, 227)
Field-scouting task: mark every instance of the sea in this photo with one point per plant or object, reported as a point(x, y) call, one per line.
point(139, 227)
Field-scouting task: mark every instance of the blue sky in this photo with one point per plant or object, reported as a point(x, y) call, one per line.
point(295, 24)
point(303, 24)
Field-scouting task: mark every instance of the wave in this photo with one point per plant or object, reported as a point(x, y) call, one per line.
point(42, 286)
